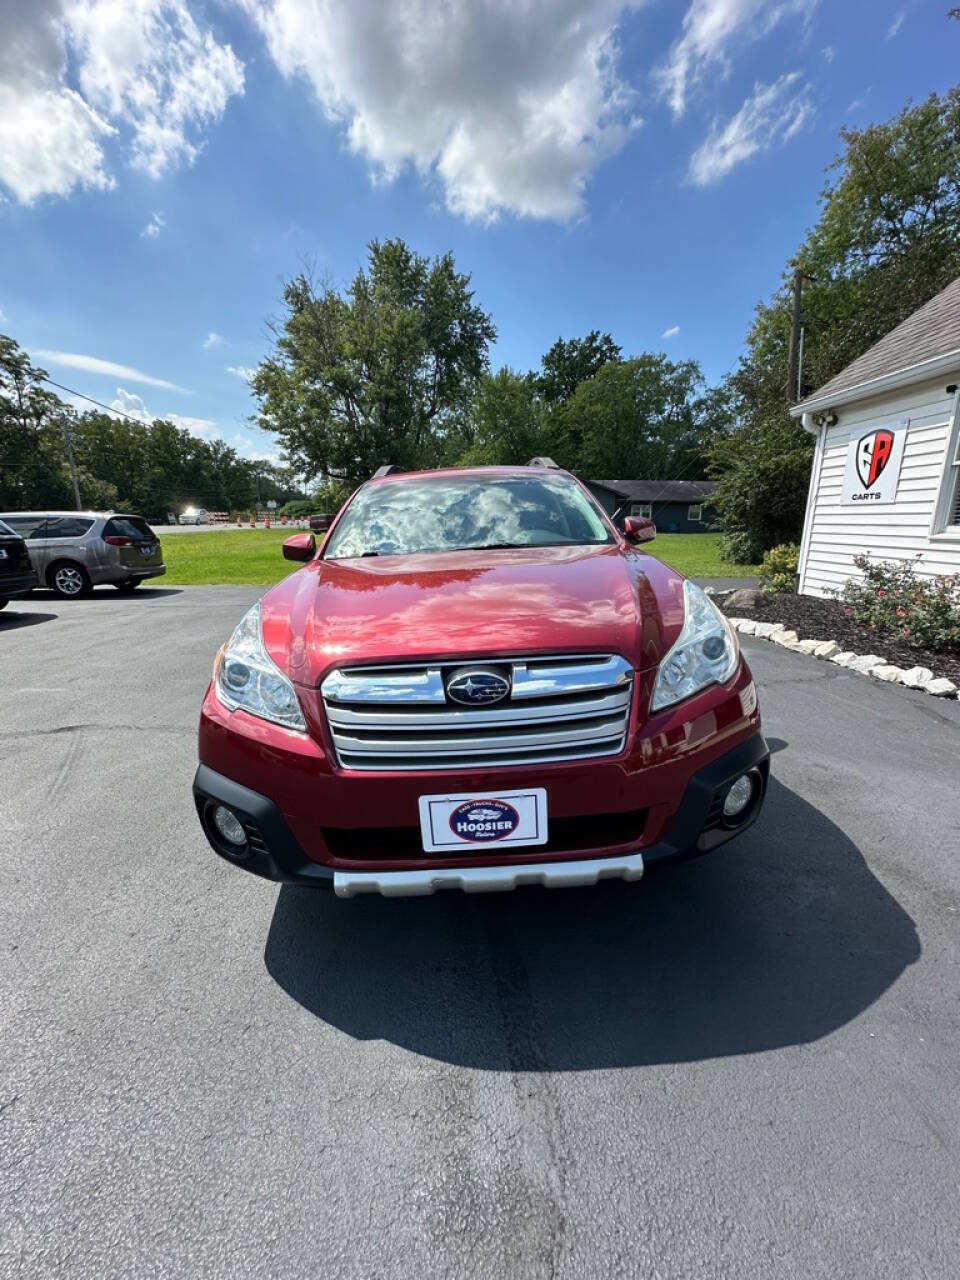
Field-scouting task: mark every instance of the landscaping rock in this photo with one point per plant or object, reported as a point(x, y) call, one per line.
point(766, 629)
point(747, 626)
point(941, 688)
point(808, 646)
point(886, 671)
point(789, 639)
point(827, 649)
point(742, 598)
point(917, 677)
point(866, 662)
point(843, 659)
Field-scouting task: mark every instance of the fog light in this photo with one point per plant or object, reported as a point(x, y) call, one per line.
point(738, 797)
point(229, 826)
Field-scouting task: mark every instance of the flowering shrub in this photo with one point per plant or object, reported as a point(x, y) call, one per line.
point(923, 612)
point(779, 569)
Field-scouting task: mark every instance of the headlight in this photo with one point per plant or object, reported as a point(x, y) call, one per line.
point(248, 677)
point(706, 652)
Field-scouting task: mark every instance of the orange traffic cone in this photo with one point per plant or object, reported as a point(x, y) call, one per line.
point(253, 522)
point(266, 521)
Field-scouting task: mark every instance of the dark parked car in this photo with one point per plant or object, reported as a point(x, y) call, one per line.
point(17, 574)
point(75, 551)
point(320, 523)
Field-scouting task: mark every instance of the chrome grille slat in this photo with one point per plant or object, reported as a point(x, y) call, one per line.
point(559, 708)
point(457, 718)
point(521, 739)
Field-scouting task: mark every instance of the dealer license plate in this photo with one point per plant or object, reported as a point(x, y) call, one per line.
point(483, 820)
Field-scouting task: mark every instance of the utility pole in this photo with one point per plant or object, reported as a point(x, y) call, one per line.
point(65, 428)
point(794, 359)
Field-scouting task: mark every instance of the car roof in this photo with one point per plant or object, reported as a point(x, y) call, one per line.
point(519, 471)
point(86, 515)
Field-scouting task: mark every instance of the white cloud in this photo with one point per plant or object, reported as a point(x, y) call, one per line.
point(212, 340)
point(92, 364)
point(511, 106)
point(774, 113)
point(3, 316)
point(241, 371)
point(829, 52)
point(896, 24)
point(75, 72)
point(672, 331)
point(130, 405)
point(154, 226)
point(710, 28)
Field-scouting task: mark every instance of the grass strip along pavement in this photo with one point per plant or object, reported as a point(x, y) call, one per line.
point(253, 556)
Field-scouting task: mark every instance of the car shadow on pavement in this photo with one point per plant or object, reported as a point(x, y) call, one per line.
point(107, 593)
point(10, 619)
point(778, 939)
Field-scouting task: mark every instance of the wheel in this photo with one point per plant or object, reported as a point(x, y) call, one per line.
point(126, 587)
point(4, 602)
point(70, 580)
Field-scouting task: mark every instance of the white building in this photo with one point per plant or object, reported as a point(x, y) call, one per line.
point(886, 471)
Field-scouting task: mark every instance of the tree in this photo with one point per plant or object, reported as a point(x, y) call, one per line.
point(375, 374)
point(570, 362)
point(887, 239)
point(506, 422)
point(33, 465)
point(634, 418)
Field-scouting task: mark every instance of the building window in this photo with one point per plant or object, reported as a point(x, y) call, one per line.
point(947, 516)
point(953, 492)
point(695, 512)
point(641, 509)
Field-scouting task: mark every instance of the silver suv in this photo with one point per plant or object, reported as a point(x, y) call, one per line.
point(75, 551)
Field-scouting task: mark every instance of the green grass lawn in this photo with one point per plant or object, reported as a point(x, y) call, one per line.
point(253, 556)
point(697, 555)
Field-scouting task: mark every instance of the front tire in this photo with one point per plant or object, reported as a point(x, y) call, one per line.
point(70, 581)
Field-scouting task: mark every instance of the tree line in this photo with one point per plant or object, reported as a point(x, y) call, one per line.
point(154, 468)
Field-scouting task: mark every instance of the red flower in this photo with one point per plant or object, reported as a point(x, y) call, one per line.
point(906, 631)
point(901, 613)
point(881, 593)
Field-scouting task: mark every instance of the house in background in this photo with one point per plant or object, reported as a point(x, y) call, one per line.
point(886, 469)
point(675, 506)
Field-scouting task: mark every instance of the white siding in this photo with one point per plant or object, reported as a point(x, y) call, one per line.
point(896, 531)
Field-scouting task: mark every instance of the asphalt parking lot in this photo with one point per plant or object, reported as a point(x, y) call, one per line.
point(745, 1066)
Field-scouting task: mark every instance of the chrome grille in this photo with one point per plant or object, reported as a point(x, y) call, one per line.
point(399, 717)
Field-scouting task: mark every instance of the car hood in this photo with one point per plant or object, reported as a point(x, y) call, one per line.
point(472, 605)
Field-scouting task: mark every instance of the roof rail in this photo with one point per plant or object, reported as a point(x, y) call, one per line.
point(388, 469)
point(544, 461)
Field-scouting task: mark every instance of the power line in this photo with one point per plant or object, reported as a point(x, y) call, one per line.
point(99, 403)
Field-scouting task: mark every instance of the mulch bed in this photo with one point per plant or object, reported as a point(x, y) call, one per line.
point(816, 619)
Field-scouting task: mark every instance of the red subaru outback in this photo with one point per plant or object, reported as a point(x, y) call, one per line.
point(477, 683)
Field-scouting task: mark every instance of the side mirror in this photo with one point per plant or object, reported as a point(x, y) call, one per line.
point(639, 529)
point(302, 546)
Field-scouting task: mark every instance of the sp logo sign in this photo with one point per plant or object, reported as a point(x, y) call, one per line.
point(872, 472)
point(874, 451)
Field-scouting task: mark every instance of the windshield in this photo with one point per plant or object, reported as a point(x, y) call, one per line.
point(461, 513)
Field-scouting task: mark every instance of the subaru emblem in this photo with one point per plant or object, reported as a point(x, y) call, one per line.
point(477, 686)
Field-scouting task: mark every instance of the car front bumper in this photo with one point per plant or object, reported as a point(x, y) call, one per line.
point(697, 826)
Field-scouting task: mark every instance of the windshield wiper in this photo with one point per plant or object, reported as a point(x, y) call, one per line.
point(507, 546)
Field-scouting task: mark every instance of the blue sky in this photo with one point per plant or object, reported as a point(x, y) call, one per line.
point(639, 168)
